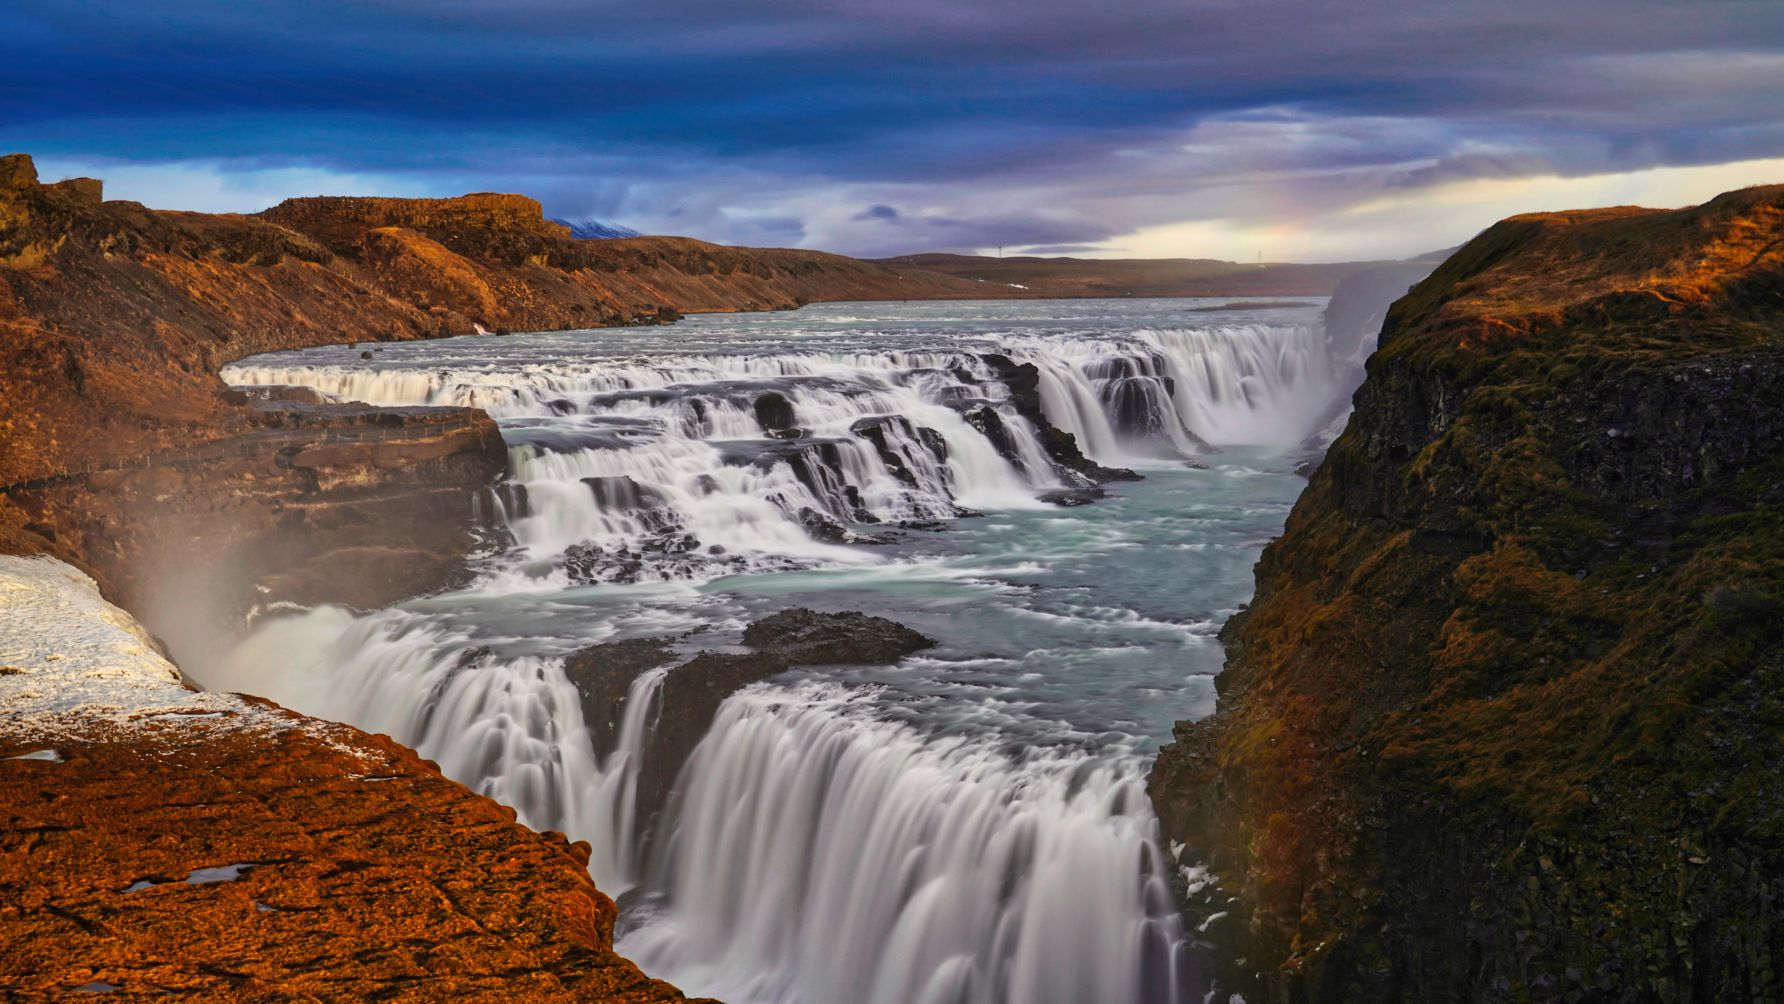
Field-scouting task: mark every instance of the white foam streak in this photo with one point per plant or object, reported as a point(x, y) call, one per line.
point(824, 856)
point(509, 728)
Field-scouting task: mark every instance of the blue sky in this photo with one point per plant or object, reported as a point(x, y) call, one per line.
point(1295, 129)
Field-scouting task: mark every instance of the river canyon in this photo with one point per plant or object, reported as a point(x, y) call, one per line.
point(968, 824)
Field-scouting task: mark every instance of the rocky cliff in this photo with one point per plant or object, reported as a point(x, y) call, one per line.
point(1503, 721)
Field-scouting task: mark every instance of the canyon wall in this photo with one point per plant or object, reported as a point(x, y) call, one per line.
point(1502, 721)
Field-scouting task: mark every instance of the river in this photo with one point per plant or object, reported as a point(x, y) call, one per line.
point(969, 825)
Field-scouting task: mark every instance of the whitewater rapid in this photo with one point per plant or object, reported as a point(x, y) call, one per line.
point(968, 826)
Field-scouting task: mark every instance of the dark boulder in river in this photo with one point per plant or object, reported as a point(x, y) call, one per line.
point(808, 638)
point(774, 413)
point(688, 698)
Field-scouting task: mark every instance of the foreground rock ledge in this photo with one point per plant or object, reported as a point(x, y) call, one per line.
point(161, 841)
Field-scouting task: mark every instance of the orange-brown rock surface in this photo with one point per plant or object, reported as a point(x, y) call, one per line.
point(156, 842)
point(373, 878)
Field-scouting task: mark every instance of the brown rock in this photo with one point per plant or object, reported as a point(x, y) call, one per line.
point(361, 874)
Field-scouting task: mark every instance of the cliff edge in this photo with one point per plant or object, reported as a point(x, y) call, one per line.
point(160, 842)
point(1503, 721)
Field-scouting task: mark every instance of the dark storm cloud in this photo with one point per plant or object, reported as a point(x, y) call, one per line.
point(995, 122)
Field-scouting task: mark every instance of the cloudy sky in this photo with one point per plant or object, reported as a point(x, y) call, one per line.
point(1304, 130)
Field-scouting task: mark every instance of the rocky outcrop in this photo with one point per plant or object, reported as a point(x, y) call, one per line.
point(317, 504)
point(1024, 383)
point(1502, 721)
point(808, 638)
point(691, 692)
point(159, 842)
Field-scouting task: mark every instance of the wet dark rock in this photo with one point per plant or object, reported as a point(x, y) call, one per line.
point(693, 691)
point(1024, 383)
point(991, 425)
point(891, 451)
point(690, 699)
point(774, 413)
point(671, 553)
point(621, 493)
point(822, 527)
point(603, 674)
point(806, 637)
point(1072, 496)
point(1137, 405)
point(589, 563)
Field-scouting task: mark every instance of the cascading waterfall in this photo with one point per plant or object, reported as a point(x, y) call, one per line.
point(823, 855)
point(510, 728)
point(635, 461)
point(814, 852)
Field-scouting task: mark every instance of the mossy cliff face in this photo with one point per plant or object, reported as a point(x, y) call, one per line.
point(1505, 720)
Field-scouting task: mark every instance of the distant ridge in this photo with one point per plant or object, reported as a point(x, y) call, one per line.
point(595, 230)
point(1092, 277)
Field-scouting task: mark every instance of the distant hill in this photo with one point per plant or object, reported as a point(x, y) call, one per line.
point(1089, 277)
point(595, 230)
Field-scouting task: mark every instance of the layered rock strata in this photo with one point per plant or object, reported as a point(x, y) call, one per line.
point(1503, 720)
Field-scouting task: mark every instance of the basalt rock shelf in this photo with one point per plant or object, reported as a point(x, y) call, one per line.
point(1503, 720)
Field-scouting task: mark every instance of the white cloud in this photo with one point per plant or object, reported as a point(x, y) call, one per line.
point(216, 186)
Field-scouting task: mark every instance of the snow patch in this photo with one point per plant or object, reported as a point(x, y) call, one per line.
point(50, 756)
point(221, 873)
point(79, 668)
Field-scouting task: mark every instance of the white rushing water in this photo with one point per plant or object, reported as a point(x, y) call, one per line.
point(970, 826)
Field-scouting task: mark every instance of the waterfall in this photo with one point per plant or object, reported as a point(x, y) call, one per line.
point(508, 727)
point(817, 849)
point(822, 855)
point(693, 466)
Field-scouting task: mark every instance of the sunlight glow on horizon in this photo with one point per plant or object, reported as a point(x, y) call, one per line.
point(1418, 221)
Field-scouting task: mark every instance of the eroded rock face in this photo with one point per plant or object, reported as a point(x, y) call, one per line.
point(603, 675)
point(316, 504)
point(1501, 723)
